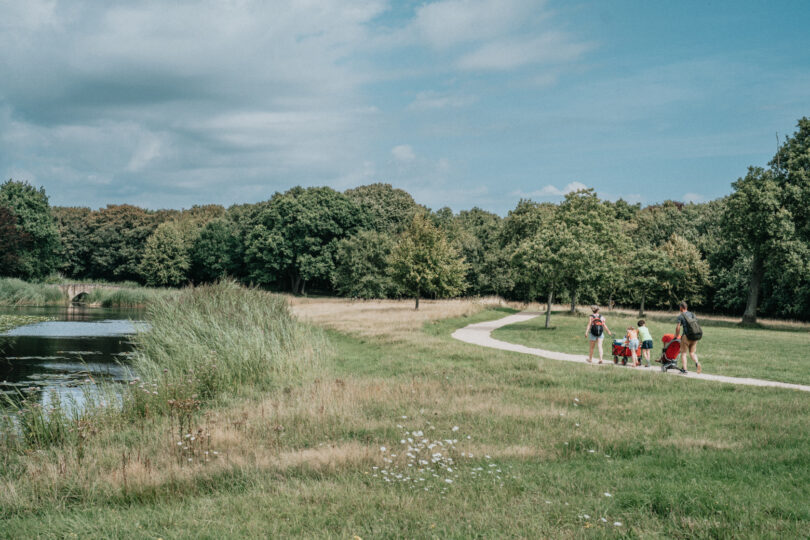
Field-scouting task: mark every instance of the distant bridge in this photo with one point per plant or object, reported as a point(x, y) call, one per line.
point(75, 291)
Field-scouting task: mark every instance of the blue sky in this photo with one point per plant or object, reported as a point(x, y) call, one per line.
point(460, 102)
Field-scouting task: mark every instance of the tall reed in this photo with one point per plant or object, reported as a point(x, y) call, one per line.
point(225, 339)
point(15, 291)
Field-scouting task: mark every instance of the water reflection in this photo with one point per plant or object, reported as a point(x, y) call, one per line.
point(65, 358)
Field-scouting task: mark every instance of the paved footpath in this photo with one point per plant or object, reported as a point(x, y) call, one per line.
point(480, 334)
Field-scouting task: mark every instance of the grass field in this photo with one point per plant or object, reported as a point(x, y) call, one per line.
point(774, 352)
point(543, 449)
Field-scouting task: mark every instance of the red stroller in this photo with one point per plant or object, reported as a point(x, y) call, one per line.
point(669, 356)
point(621, 349)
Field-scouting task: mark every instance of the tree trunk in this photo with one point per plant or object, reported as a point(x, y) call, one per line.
point(641, 307)
point(295, 281)
point(574, 302)
point(417, 302)
point(303, 286)
point(548, 306)
point(610, 302)
point(757, 271)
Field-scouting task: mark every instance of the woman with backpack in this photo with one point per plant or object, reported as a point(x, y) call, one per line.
point(595, 331)
point(691, 335)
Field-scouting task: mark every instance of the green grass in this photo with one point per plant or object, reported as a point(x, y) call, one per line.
point(16, 292)
point(227, 339)
point(128, 296)
point(726, 348)
point(680, 459)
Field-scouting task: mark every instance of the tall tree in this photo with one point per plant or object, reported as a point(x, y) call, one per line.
point(383, 208)
point(214, 252)
point(758, 221)
point(294, 236)
point(595, 240)
point(13, 242)
point(361, 265)
point(74, 254)
point(424, 262)
point(38, 257)
point(688, 274)
point(166, 260)
point(117, 237)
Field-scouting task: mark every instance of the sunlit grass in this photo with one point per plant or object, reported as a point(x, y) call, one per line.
point(579, 450)
point(726, 348)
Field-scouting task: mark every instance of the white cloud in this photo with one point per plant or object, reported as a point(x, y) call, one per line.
point(435, 100)
point(511, 53)
point(551, 191)
point(693, 198)
point(403, 152)
point(452, 22)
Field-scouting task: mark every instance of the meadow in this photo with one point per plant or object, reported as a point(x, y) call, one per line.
point(773, 350)
point(389, 428)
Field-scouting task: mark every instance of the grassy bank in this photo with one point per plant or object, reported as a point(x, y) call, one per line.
point(726, 348)
point(7, 322)
point(16, 292)
point(538, 449)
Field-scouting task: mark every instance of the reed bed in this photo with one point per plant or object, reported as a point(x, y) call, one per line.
point(225, 339)
point(16, 292)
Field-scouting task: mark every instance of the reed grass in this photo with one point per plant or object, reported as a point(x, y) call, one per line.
point(16, 292)
point(224, 340)
point(127, 296)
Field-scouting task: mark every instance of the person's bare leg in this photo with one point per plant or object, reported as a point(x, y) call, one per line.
point(600, 349)
point(693, 354)
point(590, 354)
point(635, 359)
point(684, 352)
point(646, 354)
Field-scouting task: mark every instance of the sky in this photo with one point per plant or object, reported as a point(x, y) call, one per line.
point(461, 103)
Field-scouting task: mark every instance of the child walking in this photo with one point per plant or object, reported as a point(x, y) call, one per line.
point(631, 339)
point(646, 341)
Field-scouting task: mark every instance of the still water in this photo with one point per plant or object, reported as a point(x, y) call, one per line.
point(63, 358)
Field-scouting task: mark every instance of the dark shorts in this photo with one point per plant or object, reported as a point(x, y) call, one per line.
point(647, 344)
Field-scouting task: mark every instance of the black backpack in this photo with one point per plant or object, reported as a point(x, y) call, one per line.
point(692, 328)
point(597, 325)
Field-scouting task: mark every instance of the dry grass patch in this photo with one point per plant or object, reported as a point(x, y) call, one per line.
point(395, 319)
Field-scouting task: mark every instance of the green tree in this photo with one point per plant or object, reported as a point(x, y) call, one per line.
point(423, 262)
point(166, 260)
point(74, 254)
point(13, 242)
point(593, 250)
point(649, 269)
point(294, 236)
point(383, 208)
point(478, 238)
point(116, 240)
point(214, 252)
point(689, 272)
point(361, 266)
point(758, 221)
point(541, 262)
point(38, 257)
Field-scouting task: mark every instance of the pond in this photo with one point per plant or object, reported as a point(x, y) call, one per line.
point(64, 357)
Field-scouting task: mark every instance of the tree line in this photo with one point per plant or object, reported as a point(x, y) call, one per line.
point(747, 253)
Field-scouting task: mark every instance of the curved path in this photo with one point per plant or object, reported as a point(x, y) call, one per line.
point(480, 334)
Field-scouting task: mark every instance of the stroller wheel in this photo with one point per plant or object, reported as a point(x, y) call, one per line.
point(624, 361)
point(615, 359)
